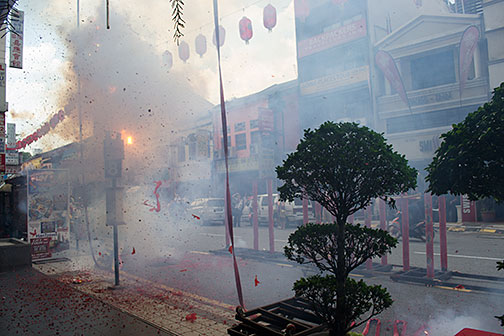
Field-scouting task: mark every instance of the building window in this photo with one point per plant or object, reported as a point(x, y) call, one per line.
point(254, 123)
point(181, 153)
point(433, 70)
point(192, 150)
point(238, 127)
point(241, 141)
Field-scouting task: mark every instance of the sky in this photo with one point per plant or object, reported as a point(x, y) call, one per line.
point(44, 84)
point(35, 92)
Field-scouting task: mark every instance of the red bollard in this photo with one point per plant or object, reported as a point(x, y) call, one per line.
point(405, 233)
point(318, 213)
point(255, 221)
point(442, 233)
point(305, 210)
point(383, 224)
point(270, 217)
point(429, 229)
point(367, 221)
point(226, 224)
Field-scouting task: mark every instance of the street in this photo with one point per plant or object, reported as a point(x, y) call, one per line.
point(187, 262)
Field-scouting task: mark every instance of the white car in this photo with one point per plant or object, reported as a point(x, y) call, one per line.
point(291, 213)
point(208, 210)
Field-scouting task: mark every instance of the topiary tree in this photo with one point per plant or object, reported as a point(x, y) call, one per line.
point(343, 166)
point(470, 160)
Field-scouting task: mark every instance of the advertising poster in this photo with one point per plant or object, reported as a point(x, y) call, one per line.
point(48, 211)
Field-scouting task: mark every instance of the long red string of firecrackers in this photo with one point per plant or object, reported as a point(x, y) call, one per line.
point(224, 133)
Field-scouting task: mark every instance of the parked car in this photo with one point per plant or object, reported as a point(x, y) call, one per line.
point(291, 213)
point(262, 208)
point(246, 217)
point(208, 210)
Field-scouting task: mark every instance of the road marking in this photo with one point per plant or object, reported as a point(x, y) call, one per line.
point(215, 234)
point(488, 230)
point(455, 289)
point(287, 265)
point(199, 252)
point(464, 256)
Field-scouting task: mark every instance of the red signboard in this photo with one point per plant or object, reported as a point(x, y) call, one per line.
point(332, 38)
point(40, 248)
point(468, 209)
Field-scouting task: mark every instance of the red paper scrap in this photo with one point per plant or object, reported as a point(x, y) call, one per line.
point(459, 287)
point(191, 317)
point(197, 217)
point(183, 270)
point(133, 252)
point(230, 249)
point(256, 282)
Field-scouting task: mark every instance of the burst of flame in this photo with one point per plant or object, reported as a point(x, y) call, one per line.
point(426, 332)
point(129, 140)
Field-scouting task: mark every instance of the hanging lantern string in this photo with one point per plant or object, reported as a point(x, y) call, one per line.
point(220, 19)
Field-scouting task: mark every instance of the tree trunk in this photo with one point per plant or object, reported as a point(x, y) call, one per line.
point(340, 278)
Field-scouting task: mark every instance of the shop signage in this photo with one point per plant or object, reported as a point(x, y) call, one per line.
point(468, 209)
point(340, 35)
point(431, 98)
point(3, 103)
point(40, 248)
point(12, 158)
point(48, 207)
point(335, 81)
point(16, 39)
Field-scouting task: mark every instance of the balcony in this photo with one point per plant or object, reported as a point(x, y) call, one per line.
point(434, 98)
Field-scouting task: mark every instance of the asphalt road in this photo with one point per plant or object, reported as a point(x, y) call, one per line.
point(185, 261)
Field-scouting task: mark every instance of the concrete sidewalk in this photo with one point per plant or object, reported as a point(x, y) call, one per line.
point(169, 310)
point(32, 303)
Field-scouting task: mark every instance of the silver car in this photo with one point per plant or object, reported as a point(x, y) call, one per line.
point(208, 210)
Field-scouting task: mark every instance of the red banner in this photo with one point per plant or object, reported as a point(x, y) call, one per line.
point(468, 44)
point(387, 65)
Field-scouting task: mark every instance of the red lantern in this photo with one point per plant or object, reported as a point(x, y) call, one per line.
point(183, 51)
point(269, 17)
point(301, 9)
point(245, 29)
point(200, 45)
point(167, 59)
point(222, 36)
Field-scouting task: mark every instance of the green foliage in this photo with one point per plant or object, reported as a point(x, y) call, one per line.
point(470, 159)
point(343, 166)
point(318, 244)
point(178, 21)
point(321, 292)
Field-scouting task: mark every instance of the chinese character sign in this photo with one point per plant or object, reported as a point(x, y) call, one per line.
point(16, 39)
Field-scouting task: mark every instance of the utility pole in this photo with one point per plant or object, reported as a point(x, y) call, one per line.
point(113, 150)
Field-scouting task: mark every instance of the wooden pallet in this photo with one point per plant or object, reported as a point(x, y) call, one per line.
point(293, 317)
